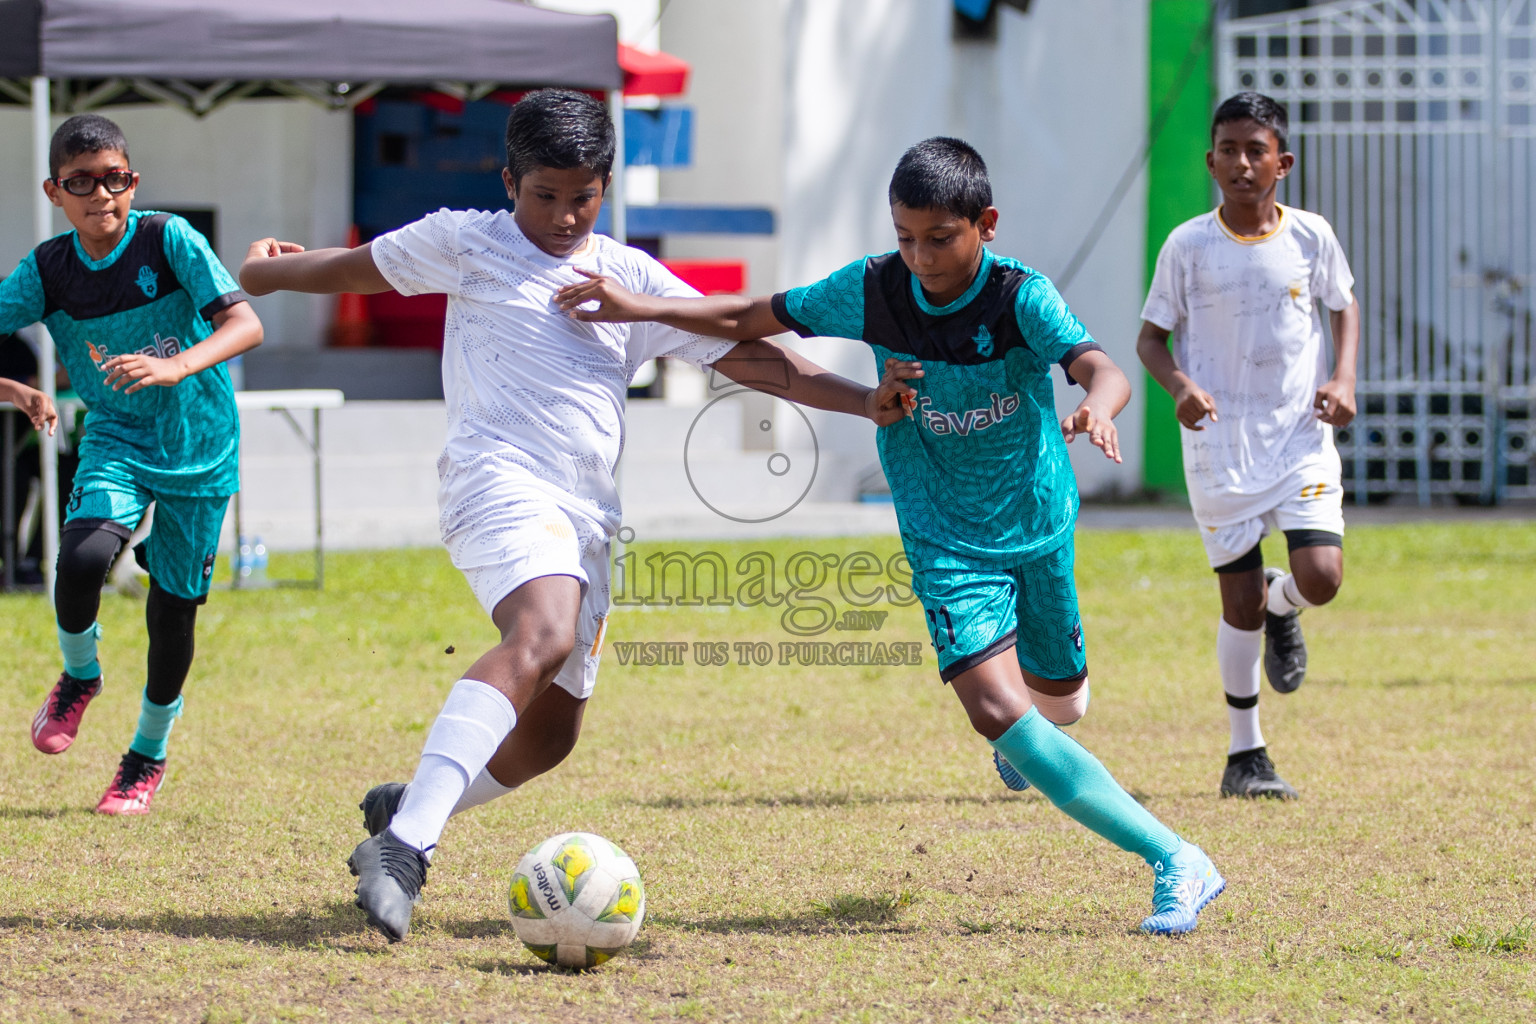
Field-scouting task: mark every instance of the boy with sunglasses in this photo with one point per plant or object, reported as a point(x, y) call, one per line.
point(143, 316)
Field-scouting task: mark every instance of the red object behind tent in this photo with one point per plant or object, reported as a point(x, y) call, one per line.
point(712, 277)
point(652, 74)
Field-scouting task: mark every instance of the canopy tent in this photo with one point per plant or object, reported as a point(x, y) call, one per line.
point(322, 40)
point(202, 54)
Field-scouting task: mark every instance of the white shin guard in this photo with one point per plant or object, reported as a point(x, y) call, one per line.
point(475, 719)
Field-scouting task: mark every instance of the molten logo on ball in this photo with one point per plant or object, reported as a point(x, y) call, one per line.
point(576, 900)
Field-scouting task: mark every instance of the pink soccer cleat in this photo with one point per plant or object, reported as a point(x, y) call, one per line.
point(134, 786)
point(56, 722)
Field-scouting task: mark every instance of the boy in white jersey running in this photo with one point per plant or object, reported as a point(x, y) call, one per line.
point(1249, 377)
point(536, 424)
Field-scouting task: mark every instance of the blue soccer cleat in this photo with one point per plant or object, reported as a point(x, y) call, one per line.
point(1009, 774)
point(1185, 883)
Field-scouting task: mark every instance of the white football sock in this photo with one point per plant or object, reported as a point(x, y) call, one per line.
point(1238, 652)
point(1285, 596)
point(475, 719)
point(482, 790)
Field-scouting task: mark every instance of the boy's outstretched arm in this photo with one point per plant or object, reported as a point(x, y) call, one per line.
point(37, 406)
point(236, 329)
point(1107, 391)
point(775, 370)
point(272, 266)
point(735, 317)
point(1335, 400)
point(1191, 403)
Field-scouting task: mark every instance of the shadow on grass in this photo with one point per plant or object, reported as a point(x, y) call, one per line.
point(338, 919)
point(522, 964)
point(789, 924)
point(809, 800)
point(485, 928)
point(23, 813)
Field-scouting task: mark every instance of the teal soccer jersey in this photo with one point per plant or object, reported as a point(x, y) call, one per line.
point(154, 293)
point(979, 474)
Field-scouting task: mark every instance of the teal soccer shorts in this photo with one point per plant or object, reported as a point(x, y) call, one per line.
point(973, 615)
point(184, 540)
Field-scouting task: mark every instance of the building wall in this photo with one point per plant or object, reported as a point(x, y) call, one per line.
point(811, 117)
point(269, 167)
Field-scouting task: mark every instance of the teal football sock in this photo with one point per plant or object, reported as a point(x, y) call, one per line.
point(1075, 781)
point(155, 722)
point(79, 651)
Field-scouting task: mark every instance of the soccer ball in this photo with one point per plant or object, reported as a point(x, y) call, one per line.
point(577, 900)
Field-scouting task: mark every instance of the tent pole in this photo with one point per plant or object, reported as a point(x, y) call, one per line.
point(43, 230)
point(618, 199)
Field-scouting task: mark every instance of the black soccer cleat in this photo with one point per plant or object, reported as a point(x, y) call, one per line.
point(1251, 774)
point(1285, 650)
point(389, 880)
point(380, 805)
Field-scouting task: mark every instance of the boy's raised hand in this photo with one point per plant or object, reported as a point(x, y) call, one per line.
point(37, 406)
point(615, 303)
point(135, 371)
point(265, 248)
point(1100, 430)
point(893, 398)
point(1192, 404)
point(262, 250)
point(1335, 403)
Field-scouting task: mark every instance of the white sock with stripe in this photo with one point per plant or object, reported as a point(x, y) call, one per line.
point(1237, 653)
point(475, 718)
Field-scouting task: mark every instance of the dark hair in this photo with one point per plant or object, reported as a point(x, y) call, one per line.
point(84, 133)
point(559, 128)
point(942, 173)
point(1256, 107)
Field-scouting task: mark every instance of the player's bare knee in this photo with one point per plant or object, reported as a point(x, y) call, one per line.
point(1320, 589)
point(1318, 577)
point(538, 654)
point(1062, 708)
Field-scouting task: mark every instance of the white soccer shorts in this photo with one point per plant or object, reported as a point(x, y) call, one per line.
point(1309, 498)
point(501, 533)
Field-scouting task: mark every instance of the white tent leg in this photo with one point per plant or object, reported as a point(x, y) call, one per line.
point(42, 231)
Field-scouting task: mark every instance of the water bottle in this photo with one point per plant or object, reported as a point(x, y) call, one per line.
point(244, 559)
point(258, 572)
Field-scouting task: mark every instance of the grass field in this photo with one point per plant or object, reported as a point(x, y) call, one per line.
point(823, 843)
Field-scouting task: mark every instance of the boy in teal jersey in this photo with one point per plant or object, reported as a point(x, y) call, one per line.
point(143, 316)
point(979, 474)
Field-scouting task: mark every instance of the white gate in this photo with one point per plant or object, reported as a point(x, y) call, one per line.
point(1414, 128)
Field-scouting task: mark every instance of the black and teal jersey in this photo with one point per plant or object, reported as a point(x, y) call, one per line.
point(979, 474)
point(154, 293)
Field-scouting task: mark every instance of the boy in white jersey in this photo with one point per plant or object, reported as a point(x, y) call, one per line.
point(1249, 377)
point(536, 424)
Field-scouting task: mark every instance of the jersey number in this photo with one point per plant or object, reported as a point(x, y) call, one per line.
point(933, 627)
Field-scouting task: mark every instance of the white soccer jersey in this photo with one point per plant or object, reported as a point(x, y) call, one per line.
point(1246, 329)
point(531, 392)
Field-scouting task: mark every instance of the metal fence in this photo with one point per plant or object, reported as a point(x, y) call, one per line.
point(1414, 128)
